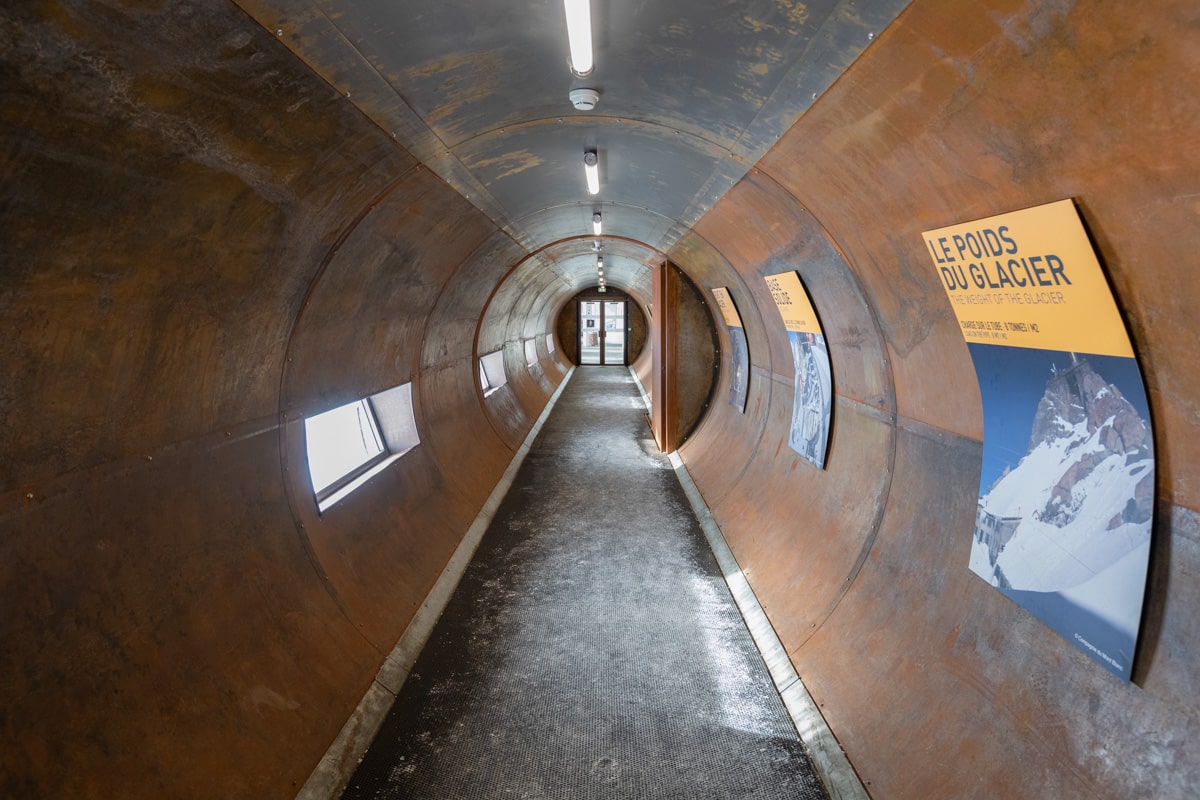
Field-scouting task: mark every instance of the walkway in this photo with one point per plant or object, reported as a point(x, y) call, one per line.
point(592, 649)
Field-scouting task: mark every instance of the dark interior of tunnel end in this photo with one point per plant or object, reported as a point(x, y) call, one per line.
point(220, 219)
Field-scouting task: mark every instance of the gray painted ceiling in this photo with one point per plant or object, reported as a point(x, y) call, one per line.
point(692, 94)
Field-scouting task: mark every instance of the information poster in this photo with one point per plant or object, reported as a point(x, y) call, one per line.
point(740, 355)
point(812, 405)
point(1066, 493)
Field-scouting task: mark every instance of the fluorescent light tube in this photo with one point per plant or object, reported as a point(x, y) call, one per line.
point(579, 34)
point(591, 168)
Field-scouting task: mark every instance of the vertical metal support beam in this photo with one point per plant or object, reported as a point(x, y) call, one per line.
point(664, 412)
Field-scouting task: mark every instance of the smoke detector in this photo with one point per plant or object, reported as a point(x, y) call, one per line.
point(584, 99)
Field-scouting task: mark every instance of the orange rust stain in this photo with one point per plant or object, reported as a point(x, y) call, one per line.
point(510, 163)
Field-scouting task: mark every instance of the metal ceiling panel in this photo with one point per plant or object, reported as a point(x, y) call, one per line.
point(692, 94)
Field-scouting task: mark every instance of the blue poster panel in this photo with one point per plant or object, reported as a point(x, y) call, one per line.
point(812, 402)
point(739, 354)
point(1066, 489)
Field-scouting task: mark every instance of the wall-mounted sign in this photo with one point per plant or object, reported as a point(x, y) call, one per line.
point(812, 404)
point(740, 355)
point(1066, 492)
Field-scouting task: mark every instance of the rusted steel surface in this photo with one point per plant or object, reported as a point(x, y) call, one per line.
point(363, 323)
point(696, 367)
point(937, 685)
point(148, 200)
point(165, 631)
point(734, 434)
point(214, 225)
point(172, 179)
point(692, 93)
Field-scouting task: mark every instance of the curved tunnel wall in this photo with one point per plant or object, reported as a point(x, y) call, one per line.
point(204, 244)
point(936, 685)
point(193, 258)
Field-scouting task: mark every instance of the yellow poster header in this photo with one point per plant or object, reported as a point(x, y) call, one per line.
point(728, 309)
point(793, 303)
point(1028, 279)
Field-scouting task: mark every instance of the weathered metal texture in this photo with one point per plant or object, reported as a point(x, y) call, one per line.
point(800, 570)
point(739, 433)
point(362, 325)
point(627, 264)
point(696, 367)
point(663, 409)
point(454, 426)
point(800, 533)
point(165, 630)
point(691, 95)
point(937, 685)
point(171, 179)
point(520, 309)
point(149, 196)
point(788, 237)
point(361, 331)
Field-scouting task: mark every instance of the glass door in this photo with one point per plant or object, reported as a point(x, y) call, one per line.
point(602, 332)
point(590, 331)
point(614, 332)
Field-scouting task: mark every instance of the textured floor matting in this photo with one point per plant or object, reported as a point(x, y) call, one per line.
point(592, 649)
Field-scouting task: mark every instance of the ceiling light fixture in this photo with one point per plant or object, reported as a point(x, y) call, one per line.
point(591, 168)
point(579, 35)
point(596, 220)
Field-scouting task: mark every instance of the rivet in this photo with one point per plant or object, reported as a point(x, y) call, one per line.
point(279, 31)
point(29, 496)
point(870, 35)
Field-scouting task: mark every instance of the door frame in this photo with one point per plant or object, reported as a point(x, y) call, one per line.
point(597, 297)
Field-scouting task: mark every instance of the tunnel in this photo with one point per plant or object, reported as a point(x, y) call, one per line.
point(223, 218)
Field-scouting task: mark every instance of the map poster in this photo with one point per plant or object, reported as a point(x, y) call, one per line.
point(812, 403)
point(740, 355)
point(1066, 490)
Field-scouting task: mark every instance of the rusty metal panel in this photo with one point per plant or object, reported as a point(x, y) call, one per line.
point(763, 230)
point(166, 630)
point(800, 533)
point(956, 115)
point(160, 224)
point(470, 455)
point(375, 293)
point(937, 686)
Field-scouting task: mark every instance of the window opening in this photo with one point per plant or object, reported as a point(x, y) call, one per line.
point(350, 444)
point(530, 352)
point(549, 342)
point(491, 372)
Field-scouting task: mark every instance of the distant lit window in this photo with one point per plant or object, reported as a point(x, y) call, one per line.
point(491, 372)
point(350, 444)
point(530, 352)
point(549, 342)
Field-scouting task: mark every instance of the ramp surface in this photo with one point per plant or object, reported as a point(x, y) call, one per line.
point(592, 649)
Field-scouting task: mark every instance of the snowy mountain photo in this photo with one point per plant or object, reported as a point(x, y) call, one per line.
point(1063, 521)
